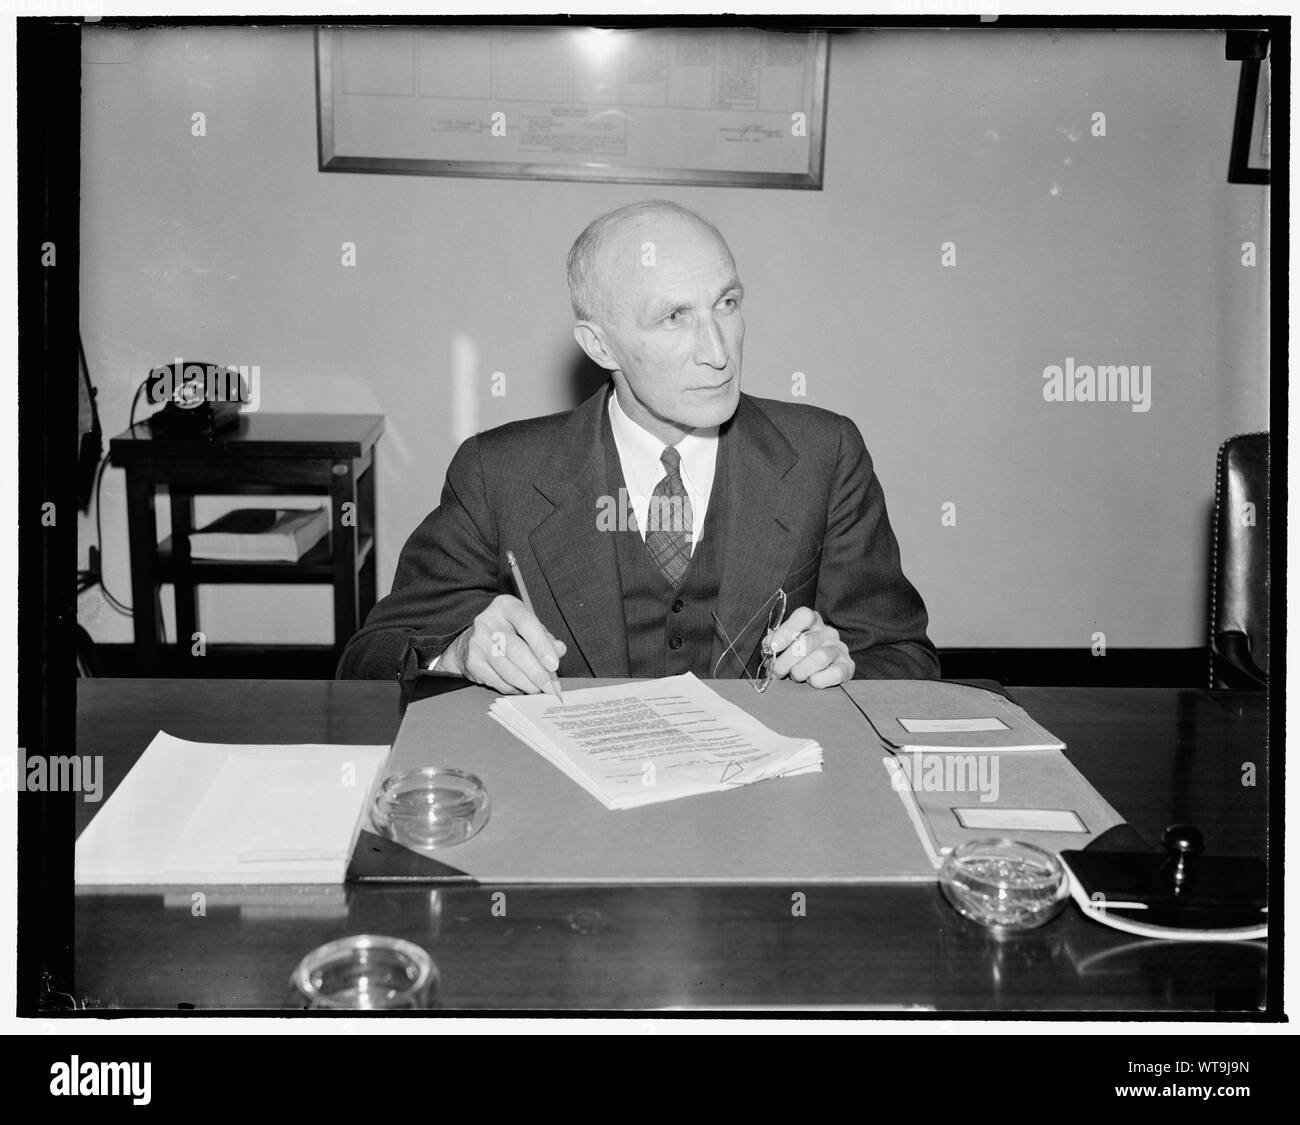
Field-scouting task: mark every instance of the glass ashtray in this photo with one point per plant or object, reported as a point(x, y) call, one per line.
point(428, 809)
point(366, 972)
point(1003, 884)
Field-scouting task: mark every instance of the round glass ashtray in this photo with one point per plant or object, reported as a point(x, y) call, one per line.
point(1004, 884)
point(428, 809)
point(366, 972)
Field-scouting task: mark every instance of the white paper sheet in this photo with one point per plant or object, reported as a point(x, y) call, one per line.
point(218, 813)
point(1021, 820)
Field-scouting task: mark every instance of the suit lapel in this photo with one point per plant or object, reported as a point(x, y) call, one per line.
point(576, 558)
point(762, 513)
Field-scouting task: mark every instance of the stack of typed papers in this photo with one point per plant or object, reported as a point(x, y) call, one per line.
point(641, 743)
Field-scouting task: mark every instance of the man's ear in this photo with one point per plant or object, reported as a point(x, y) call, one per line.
point(592, 341)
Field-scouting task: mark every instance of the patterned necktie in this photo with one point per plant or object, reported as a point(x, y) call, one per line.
point(669, 520)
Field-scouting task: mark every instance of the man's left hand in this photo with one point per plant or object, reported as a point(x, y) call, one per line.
point(810, 650)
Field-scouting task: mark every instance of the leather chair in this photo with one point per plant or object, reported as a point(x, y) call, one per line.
point(1239, 567)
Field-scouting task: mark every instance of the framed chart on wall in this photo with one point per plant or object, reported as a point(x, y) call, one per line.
point(1249, 160)
point(725, 106)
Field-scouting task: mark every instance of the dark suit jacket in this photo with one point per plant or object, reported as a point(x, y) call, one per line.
point(804, 511)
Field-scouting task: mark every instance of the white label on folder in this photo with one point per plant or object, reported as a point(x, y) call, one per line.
point(950, 726)
point(1023, 820)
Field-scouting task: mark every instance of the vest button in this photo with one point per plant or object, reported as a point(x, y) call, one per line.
point(675, 643)
point(677, 605)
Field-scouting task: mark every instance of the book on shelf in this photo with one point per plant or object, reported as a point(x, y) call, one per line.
point(261, 535)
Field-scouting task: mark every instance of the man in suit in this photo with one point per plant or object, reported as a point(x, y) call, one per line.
point(654, 523)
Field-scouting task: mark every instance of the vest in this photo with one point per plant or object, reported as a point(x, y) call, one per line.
point(670, 630)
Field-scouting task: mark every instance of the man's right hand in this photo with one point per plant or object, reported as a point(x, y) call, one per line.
point(507, 649)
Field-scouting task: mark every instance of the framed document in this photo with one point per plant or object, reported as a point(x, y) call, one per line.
point(735, 106)
point(1249, 160)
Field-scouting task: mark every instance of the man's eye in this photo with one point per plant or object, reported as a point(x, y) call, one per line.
point(675, 317)
point(730, 304)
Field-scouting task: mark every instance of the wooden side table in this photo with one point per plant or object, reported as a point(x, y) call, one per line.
point(266, 454)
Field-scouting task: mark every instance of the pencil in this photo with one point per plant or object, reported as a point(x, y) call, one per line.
point(528, 605)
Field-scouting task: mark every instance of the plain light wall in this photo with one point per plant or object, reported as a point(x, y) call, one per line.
point(1124, 249)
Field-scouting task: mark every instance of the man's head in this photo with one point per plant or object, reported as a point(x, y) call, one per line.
point(657, 298)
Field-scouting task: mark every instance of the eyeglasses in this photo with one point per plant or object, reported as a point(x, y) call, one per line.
point(774, 609)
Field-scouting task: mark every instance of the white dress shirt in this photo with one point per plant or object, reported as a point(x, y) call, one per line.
point(638, 454)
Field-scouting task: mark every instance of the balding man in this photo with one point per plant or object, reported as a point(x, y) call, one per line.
point(666, 524)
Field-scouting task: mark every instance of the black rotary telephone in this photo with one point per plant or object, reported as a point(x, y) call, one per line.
point(199, 399)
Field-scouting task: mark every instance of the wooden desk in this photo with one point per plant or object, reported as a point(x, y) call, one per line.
point(1158, 755)
point(265, 454)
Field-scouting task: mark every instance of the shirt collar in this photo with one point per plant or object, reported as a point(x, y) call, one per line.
point(698, 449)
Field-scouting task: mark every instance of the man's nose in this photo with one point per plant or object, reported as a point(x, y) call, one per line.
point(710, 348)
